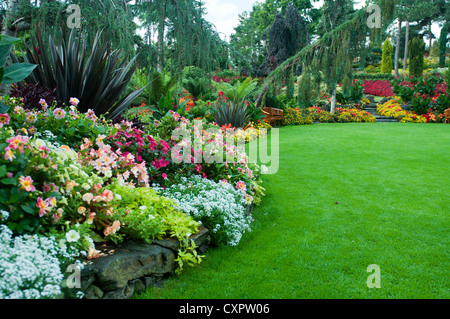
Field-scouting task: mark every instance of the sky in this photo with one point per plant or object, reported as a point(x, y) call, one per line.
point(224, 13)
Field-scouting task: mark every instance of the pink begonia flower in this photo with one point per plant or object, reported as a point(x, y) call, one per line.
point(241, 186)
point(59, 113)
point(74, 101)
point(9, 155)
point(43, 103)
point(26, 184)
point(4, 119)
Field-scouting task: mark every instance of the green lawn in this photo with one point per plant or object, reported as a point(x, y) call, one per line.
point(392, 185)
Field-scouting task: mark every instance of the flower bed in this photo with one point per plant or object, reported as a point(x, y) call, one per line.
point(378, 88)
point(393, 108)
point(317, 114)
point(78, 180)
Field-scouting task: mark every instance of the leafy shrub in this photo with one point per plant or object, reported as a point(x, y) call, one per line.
point(229, 112)
point(416, 53)
point(98, 80)
point(66, 124)
point(238, 92)
point(386, 60)
point(145, 215)
point(296, 117)
point(195, 86)
point(31, 94)
point(420, 104)
point(193, 72)
point(371, 77)
point(227, 73)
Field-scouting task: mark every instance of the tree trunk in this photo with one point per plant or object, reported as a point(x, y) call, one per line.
point(397, 47)
point(443, 45)
point(405, 57)
point(431, 34)
point(333, 101)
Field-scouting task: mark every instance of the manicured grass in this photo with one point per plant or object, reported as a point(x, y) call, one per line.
point(392, 185)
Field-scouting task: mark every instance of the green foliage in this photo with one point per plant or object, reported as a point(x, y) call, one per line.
point(420, 104)
point(306, 89)
point(416, 55)
point(371, 77)
point(239, 91)
point(386, 60)
point(296, 117)
point(290, 86)
point(68, 130)
point(405, 92)
point(443, 44)
point(193, 72)
point(228, 112)
point(195, 86)
point(227, 73)
point(97, 80)
point(145, 215)
point(13, 73)
point(447, 80)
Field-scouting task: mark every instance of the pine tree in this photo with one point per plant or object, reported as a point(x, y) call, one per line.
point(386, 60)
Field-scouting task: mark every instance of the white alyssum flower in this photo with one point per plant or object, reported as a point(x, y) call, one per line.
point(217, 205)
point(4, 215)
point(29, 266)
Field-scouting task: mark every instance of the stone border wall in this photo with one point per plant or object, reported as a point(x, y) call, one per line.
point(133, 267)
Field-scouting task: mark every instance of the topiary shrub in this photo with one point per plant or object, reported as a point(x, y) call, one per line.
point(416, 52)
point(386, 59)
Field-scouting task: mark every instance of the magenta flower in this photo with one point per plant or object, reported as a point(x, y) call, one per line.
point(4, 119)
point(26, 184)
point(59, 113)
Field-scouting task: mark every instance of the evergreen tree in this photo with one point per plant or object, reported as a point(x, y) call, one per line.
point(416, 53)
point(386, 59)
point(286, 36)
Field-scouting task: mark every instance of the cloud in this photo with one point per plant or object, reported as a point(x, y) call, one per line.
point(224, 15)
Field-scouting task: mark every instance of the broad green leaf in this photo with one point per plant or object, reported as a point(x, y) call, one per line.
point(3, 107)
point(17, 72)
point(8, 181)
point(5, 51)
point(28, 209)
point(3, 171)
point(7, 40)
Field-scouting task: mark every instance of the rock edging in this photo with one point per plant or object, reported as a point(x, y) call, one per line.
point(133, 267)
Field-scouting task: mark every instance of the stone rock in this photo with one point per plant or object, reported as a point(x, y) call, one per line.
point(407, 106)
point(93, 292)
point(132, 261)
point(201, 238)
point(371, 98)
point(125, 292)
point(155, 280)
point(386, 99)
point(87, 276)
point(138, 285)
